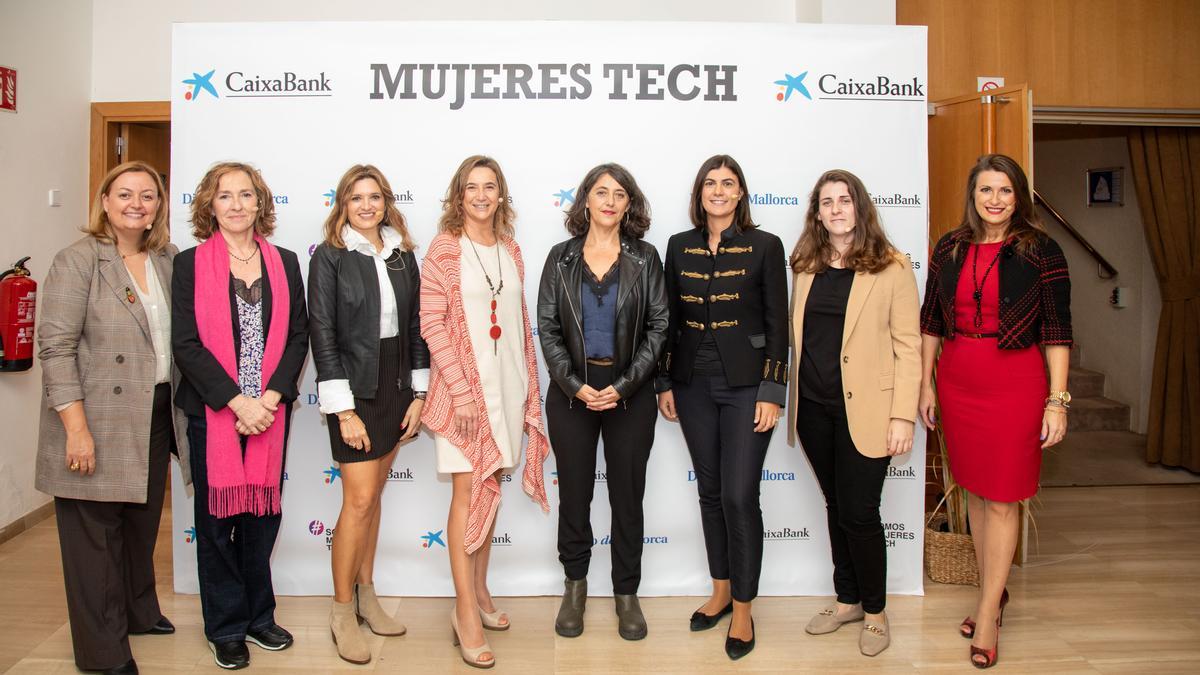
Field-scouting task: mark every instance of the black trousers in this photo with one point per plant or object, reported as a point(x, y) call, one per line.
point(108, 557)
point(852, 483)
point(727, 454)
point(233, 555)
point(628, 433)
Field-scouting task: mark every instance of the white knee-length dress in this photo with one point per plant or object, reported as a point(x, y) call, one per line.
point(501, 363)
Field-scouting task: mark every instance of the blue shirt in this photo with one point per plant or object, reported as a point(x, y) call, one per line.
point(599, 299)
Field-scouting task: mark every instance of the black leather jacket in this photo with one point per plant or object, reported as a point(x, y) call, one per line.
point(641, 322)
point(343, 312)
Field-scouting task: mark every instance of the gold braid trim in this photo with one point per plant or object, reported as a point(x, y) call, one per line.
point(726, 296)
point(766, 368)
point(776, 375)
point(696, 251)
point(736, 249)
point(693, 275)
point(694, 324)
point(692, 298)
point(731, 273)
point(724, 324)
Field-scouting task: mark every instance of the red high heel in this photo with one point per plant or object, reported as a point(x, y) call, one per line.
point(990, 656)
point(967, 627)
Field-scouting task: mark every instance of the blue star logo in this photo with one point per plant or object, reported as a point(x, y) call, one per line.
point(564, 197)
point(432, 538)
point(331, 474)
point(793, 83)
point(200, 83)
point(329, 197)
point(189, 535)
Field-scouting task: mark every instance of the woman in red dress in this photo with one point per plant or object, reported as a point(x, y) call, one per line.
point(998, 289)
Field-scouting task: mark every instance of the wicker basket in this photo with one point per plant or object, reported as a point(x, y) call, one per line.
point(949, 557)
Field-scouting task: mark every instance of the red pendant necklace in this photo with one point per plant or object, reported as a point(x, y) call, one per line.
point(494, 332)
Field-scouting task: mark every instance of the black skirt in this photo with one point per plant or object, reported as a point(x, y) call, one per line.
point(381, 415)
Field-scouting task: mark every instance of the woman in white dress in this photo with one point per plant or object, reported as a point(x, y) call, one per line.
point(483, 389)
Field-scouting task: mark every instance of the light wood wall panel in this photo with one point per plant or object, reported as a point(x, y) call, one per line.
point(1079, 53)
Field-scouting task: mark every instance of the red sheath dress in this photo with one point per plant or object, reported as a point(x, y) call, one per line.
point(991, 400)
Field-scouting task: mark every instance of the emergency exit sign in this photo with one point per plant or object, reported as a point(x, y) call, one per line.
point(8, 89)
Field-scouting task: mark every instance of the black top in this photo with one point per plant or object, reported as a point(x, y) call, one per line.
point(343, 310)
point(640, 328)
point(599, 298)
point(736, 297)
point(1035, 291)
point(824, 323)
point(204, 381)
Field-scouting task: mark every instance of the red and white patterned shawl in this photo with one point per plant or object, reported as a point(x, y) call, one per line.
point(454, 381)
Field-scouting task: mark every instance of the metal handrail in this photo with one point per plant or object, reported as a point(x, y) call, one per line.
point(1087, 246)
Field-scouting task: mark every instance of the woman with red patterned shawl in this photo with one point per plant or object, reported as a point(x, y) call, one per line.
point(483, 389)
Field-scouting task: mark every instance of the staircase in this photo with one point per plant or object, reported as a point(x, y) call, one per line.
point(1090, 410)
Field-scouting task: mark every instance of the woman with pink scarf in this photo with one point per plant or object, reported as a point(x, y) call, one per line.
point(483, 388)
point(240, 335)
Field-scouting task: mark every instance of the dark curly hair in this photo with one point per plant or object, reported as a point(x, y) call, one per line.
point(637, 215)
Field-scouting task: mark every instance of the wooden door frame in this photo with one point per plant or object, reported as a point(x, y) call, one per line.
point(106, 119)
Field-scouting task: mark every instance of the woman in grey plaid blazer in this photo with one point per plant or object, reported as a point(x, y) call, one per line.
point(106, 417)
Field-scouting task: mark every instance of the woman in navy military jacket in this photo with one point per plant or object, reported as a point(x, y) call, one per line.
point(723, 376)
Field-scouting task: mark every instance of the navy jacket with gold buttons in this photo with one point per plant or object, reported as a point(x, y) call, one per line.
point(740, 296)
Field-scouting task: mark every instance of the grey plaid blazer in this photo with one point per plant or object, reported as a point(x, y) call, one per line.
point(95, 346)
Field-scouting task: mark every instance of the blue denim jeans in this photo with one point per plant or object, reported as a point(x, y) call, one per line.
point(233, 556)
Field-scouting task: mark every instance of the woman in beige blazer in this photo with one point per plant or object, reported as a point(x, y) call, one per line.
point(106, 417)
point(855, 380)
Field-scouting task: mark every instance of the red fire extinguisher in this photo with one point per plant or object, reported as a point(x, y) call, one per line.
point(18, 298)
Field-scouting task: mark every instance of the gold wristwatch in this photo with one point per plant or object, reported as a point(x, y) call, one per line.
point(1062, 398)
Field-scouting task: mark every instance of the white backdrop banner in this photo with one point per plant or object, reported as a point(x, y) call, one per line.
point(550, 100)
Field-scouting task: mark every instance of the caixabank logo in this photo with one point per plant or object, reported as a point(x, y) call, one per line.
point(786, 533)
point(897, 532)
point(564, 198)
point(431, 539)
point(244, 83)
point(189, 535)
point(897, 200)
point(844, 86)
point(502, 539)
point(403, 475)
point(901, 472)
point(403, 197)
point(332, 474)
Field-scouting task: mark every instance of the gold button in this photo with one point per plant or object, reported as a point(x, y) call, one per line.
point(706, 277)
point(712, 298)
point(713, 325)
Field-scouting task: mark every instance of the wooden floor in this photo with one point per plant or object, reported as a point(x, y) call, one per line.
point(1113, 586)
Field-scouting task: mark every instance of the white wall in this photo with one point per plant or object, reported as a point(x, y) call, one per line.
point(1117, 342)
point(43, 146)
point(139, 69)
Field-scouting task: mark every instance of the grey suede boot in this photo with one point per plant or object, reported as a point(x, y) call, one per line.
point(570, 613)
point(630, 623)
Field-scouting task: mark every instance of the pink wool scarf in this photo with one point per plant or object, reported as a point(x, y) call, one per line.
point(240, 483)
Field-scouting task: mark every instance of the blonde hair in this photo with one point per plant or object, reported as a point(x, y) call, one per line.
point(452, 211)
point(204, 222)
point(158, 236)
point(340, 213)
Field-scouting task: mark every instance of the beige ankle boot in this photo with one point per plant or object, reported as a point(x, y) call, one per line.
point(347, 636)
point(379, 621)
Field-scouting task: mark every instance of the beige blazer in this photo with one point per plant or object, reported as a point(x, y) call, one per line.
point(95, 345)
point(881, 353)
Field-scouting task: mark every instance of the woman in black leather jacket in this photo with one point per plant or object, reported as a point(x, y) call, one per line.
point(372, 373)
point(602, 319)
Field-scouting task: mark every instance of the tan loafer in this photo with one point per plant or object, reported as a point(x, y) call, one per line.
point(827, 620)
point(874, 638)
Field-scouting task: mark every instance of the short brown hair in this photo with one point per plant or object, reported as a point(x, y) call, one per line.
point(158, 236)
point(204, 223)
point(452, 212)
point(870, 251)
point(637, 215)
point(340, 214)
point(741, 214)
